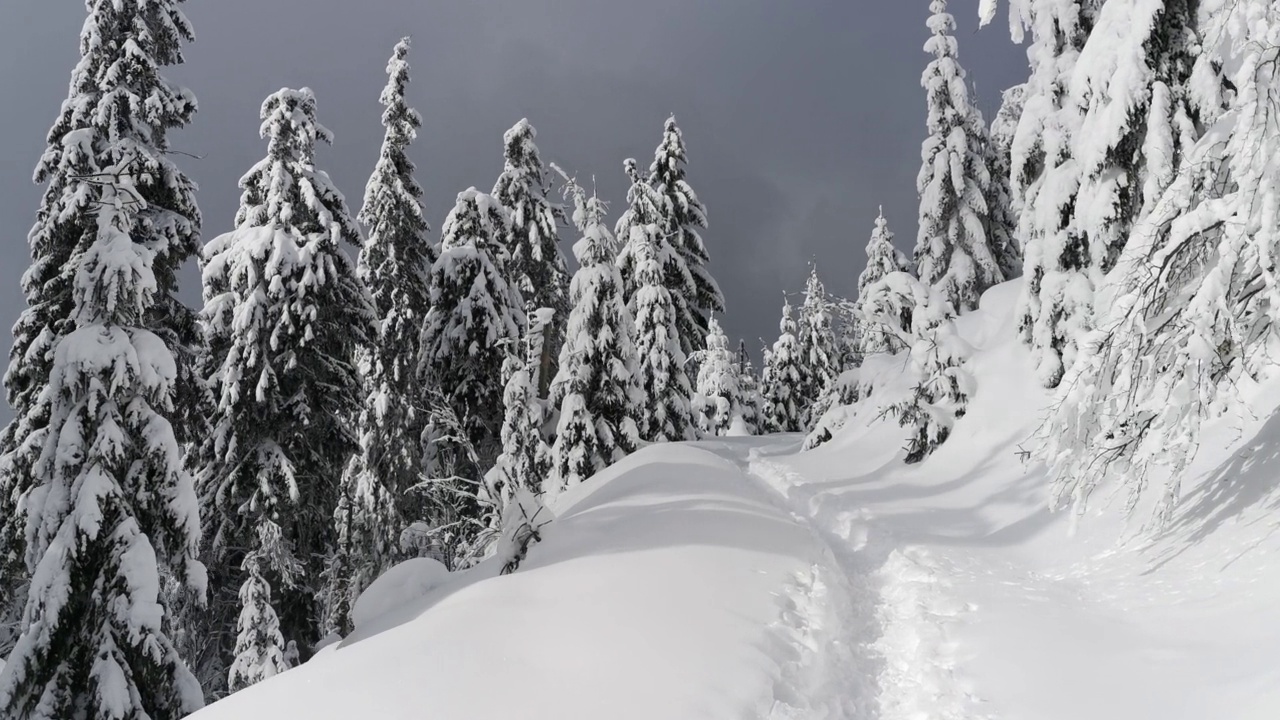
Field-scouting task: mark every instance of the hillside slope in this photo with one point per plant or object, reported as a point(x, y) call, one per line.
point(744, 579)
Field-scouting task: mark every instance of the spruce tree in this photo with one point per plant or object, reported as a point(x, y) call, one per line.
point(719, 389)
point(1193, 297)
point(951, 252)
point(375, 503)
point(261, 651)
point(783, 379)
point(682, 254)
point(1002, 210)
point(684, 216)
point(882, 259)
point(1055, 305)
point(113, 507)
point(285, 314)
point(819, 356)
point(475, 319)
point(596, 388)
point(532, 240)
point(749, 387)
point(525, 462)
point(123, 48)
point(664, 413)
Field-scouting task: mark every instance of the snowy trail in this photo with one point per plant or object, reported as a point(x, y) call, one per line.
point(896, 605)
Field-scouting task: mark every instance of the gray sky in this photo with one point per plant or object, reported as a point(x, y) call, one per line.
point(800, 117)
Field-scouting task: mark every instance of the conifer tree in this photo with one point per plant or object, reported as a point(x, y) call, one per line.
point(475, 319)
point(664, 413)
point(525, 461)
point(749, 387)
point(1002, 210)
point(684, 215)
point(261, 651)
point(124, 46)
point(819, 357)
point(597, 385)
point(719, 391)
point(1192, 302)
point(882, 259)
point(1055, 305)
point(285, 314)
point(951, 252)
point(375, 503)
point(113, 505)
point(532, 240)
point(683, 257)
point(783, 379)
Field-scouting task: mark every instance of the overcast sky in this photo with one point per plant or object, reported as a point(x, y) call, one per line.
point(800, 116)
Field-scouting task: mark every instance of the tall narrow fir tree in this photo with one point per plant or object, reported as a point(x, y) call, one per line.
point(376, 502)
point(951, 252)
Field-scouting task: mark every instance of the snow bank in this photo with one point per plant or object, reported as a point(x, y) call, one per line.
point(659, 592)
point(399, 586)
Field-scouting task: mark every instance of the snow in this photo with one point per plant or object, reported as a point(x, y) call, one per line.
point(739, 578)
point(396, 588)
point(673, 586)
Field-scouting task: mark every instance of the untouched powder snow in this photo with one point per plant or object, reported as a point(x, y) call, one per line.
point(742, 578)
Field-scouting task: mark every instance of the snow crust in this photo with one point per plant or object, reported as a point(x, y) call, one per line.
point(741, 578)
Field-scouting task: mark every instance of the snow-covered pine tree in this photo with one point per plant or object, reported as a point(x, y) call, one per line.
point(664, 413)
point(375, 504)
point(882, 258)
point(684, 214)
point(749, 388)
point(1109, 114)
point(525, 462)
point(848, 336)
point(596, 387)
point(261, 651)
point(113, 504)
point(784, 378)
point(476, 318)
point(285, 314)
point(941, 387)
point(124, 46)
point(951, 250)
point(537, 265)
point(671, 204)
point(719, 391)
point(1191, 307)
point(1002, 211)
point(1055, 305)
point(819, 356)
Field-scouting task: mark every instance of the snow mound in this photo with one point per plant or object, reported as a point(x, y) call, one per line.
point(402, 584)
point(660, 591)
